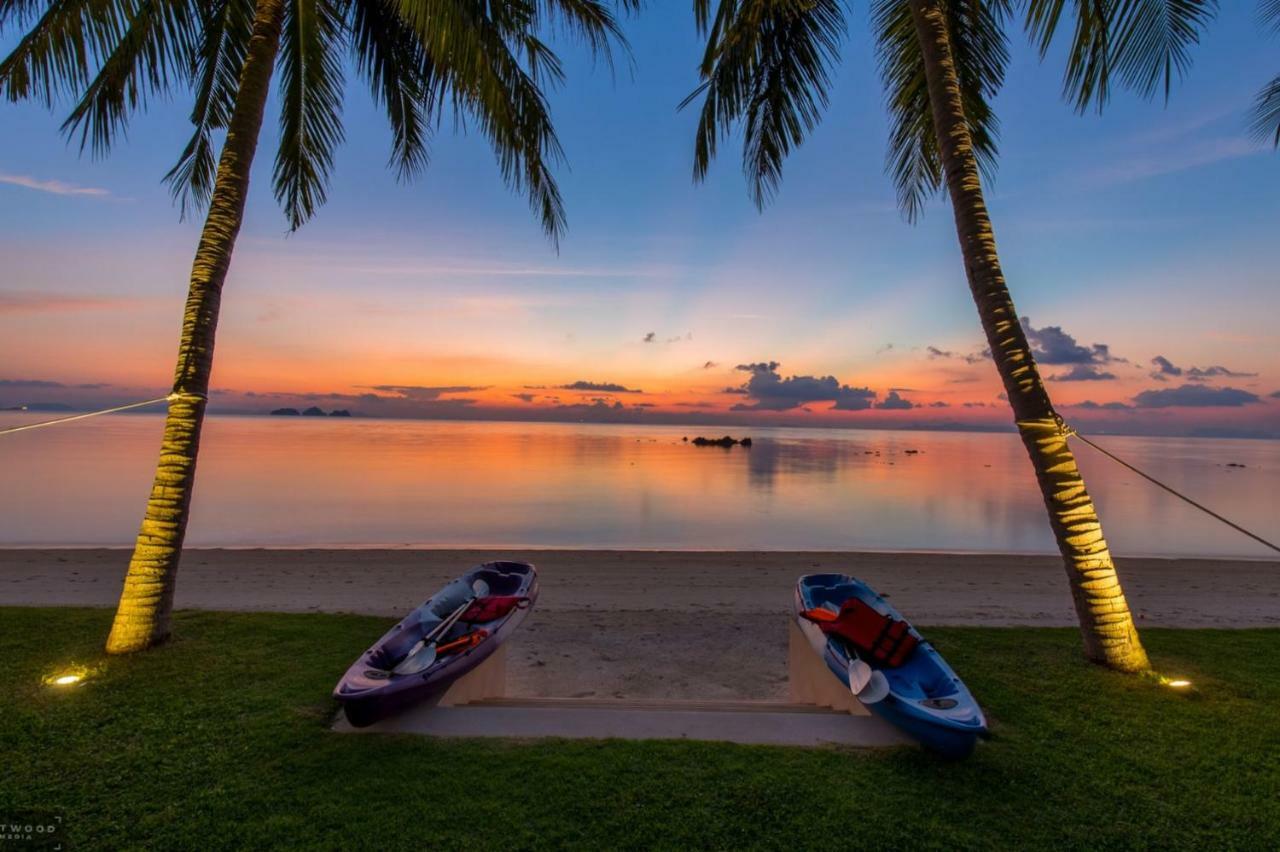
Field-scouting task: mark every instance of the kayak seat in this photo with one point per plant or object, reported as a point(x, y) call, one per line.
point(879, 639)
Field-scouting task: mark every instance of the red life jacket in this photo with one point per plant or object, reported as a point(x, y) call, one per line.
point(491, 608)
point(879, 639)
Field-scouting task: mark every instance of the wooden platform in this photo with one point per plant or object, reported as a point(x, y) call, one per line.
point(820, 712)
point(761, 722)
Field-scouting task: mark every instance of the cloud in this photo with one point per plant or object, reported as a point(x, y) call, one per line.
point(651, 337)
point(939, 404)
point(1165, 368)
point(1194, 396)
point(974, 358)
point(694, 405)
point(710, 365)
point(759, 367)
point(597, 408)
point(419, 393)
point(598, 387)
point(1083, 373)
point(35, 301)
point(888, 347)
point(893, 402)
point(771, 392)
point(1169, 159)
point(55, 187)
point(1103, 406)
point(1196, 374)
point(1052, 345)
point(30, 384)
point(525, 397)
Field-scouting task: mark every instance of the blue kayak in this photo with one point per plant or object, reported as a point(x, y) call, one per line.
point(887, 664)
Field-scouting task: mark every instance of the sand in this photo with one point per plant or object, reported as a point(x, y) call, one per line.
point(641, 624)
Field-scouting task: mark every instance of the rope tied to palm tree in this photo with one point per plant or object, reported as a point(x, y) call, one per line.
point(1068, 431)
point(172, 397)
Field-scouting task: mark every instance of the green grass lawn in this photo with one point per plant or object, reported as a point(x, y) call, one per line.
point(220, 740)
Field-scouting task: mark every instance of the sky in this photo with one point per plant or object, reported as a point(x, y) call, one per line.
point(1139, 246)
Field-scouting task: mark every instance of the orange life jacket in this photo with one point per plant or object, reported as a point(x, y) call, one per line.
point(879, 639)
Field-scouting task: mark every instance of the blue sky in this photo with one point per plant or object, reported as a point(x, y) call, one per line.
point(1148, 228)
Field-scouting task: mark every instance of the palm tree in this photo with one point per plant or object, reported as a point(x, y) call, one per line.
point(767, 63)
point(483, 62)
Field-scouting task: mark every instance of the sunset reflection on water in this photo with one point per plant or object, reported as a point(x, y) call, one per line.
point(310, 482)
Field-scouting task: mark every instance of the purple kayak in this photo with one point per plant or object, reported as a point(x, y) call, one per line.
point(449, 635)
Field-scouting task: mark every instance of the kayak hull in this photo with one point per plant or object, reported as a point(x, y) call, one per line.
point(924, 698)
point(370, 691)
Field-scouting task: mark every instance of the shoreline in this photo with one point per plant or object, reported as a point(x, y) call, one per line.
point(656, 624)
point(326, 547)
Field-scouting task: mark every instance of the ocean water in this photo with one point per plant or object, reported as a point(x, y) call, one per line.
point(294, 482)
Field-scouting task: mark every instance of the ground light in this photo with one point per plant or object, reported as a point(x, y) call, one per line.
point(1177, 684)
point(68, 677)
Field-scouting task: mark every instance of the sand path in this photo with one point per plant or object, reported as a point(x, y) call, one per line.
point(642, 624)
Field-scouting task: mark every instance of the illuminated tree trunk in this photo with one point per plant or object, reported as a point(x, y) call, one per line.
point(1110, 636)
point(142, 617)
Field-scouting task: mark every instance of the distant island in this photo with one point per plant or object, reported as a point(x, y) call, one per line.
point(313, 411)
point(726, 441)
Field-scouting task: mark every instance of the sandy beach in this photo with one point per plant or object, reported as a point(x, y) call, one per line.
point(640, 624)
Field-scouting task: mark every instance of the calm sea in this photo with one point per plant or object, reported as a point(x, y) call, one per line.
point(269, 481)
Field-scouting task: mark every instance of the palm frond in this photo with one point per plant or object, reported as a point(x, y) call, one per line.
point(157, 46)
point(590, 21)
point(225, 33)
point(1269, 14)
point(1144, 44)
point(767, 64)
point(476, 51)
point(1264, 118)
point(1154, 39)
point(980, 50)
point(402, 80)
point(66, 40)
point(311, 80)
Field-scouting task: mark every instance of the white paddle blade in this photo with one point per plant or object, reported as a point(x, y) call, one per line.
point(877, 688)
point(859, 675)
point(418, 660)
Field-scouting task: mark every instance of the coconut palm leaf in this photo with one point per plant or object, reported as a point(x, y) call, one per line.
point(311, 81)
point(216, 67)
point(57, 54)
point(1144, 44)
point(477, 57)
point(401, 78)
point(768, 63)
point(155, 48)
point(1264, 118)
point(981, 53)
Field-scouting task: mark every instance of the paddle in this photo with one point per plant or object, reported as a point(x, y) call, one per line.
point(423, 654)
point(866, 683)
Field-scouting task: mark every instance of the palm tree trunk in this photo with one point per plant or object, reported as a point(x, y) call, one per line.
point(1110, 636)
point(142, 617)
